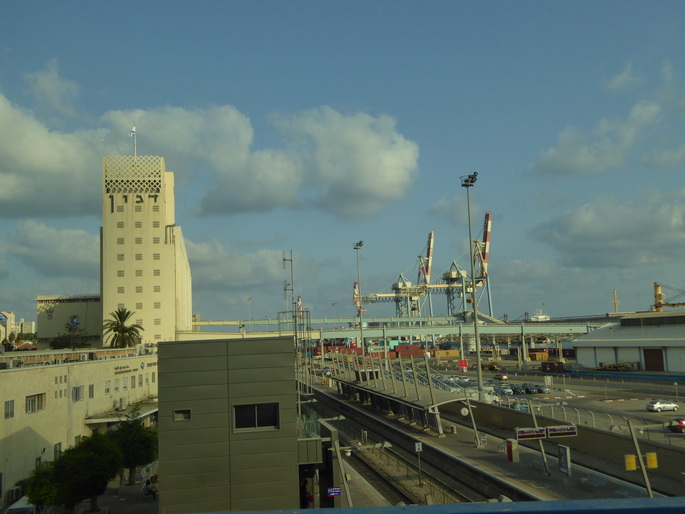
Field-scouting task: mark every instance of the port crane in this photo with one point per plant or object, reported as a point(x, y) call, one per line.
point(660, 300)
point(454, 283)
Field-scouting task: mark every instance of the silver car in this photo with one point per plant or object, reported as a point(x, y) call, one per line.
point(659, 405)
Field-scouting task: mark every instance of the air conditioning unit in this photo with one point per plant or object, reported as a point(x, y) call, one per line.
point(83, 357)
point(13, 494)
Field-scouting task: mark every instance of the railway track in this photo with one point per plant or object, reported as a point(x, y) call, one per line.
point(378, 481)
point(447, 480)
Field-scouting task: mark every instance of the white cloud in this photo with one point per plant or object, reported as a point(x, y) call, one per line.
point(359, 164)
point(216, 267)
point(43, 171)
point(347, 165)
point(49, 88)
point(623, 80)
point(219, 136)
point(604, 149)
point(605, 233)
point(54, 253)
point(666, 158)
point(454, 209)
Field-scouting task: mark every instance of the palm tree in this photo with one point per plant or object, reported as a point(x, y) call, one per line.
point(122, 335)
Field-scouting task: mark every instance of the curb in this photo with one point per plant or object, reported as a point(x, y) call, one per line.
point(626, 400)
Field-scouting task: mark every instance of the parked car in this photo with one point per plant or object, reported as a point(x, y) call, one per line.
point(504, 389)
point(677, 426)
point(529, 389)
point(543, 389)
point(23, 506)
point(517, 389)
point(659, 405)
point(491, 366)
point(502, 377)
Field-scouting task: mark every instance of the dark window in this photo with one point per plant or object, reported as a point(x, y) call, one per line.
point(182, 415)
point(260, 415)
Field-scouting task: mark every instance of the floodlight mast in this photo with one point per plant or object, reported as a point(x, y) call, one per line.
point(467, 182)
point(357, 247)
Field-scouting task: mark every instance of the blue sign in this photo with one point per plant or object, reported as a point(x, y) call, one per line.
point(333, 491)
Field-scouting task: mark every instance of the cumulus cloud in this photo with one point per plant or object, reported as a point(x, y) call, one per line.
point(216, 267)
point(603, 149)
point(54, 253)
point(454, 210)
point(45, 172)
point(347, 165)
point(52, 90)
point(218, 136)
point(623, 80)
point(665, 158)
point(605, 233)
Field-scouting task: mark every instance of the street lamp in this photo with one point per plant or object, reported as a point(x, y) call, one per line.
point(467, 182)
point(249, 310)
point(677, 400)
point(357, 247)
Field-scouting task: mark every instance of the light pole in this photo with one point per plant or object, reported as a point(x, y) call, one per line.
point(249, 310)
point(333, 305)
point(360, 305)
point(467, 182)
point(677, 400)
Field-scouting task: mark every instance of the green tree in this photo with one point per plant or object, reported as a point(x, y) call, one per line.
point(74, 331)
point(80, 473)
point(138, 443)
point(121, 333)
point(41, 487)
point(61, 341)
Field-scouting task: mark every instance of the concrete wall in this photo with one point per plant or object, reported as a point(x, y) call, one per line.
point(206, 463)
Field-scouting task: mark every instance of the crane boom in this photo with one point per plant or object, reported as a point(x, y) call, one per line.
point(425, 263)
point(660, 300)
point(481, 255)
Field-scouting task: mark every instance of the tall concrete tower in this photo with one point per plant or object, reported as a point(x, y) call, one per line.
point(144, 265)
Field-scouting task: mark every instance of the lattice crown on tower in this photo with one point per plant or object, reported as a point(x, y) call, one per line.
point(133, 173)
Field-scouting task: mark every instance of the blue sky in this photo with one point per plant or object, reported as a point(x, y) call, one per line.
point(311, 125)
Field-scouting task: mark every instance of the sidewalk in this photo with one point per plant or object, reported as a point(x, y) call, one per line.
point(125, 499)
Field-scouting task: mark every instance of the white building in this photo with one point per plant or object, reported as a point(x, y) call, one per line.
point(647, 341)
point(144, 265)
point(54, 313)
point(51, 399)
point(6, 324)
point(143, 262)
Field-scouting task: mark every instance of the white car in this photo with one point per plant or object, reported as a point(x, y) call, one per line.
point(659, 405)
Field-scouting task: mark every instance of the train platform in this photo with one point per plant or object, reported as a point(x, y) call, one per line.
point(594, 479)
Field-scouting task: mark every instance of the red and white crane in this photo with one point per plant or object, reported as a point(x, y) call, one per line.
point(455, 282)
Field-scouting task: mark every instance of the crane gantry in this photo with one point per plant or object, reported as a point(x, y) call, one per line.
point(454, 283)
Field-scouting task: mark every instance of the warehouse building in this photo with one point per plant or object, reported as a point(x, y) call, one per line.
point(645, 341)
